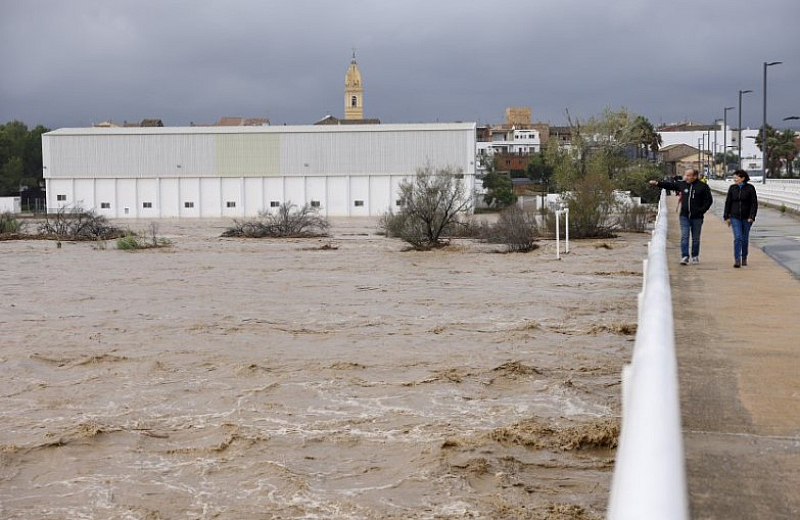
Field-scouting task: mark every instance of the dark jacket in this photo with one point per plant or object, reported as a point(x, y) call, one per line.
point(741, 202)
point(696, 197)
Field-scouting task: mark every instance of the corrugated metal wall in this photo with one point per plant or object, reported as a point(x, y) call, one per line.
point(202, 173)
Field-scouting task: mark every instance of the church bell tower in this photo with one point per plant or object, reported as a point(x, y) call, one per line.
point(353, 92)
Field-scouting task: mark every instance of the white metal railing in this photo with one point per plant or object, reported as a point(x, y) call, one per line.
point(777, 192)
point(649, 476)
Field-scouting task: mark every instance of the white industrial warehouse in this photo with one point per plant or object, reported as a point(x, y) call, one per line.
point(208, 172)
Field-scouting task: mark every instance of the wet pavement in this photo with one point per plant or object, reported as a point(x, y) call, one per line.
point(736, 339)
point(776, 233)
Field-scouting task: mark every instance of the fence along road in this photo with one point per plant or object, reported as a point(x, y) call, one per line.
point(649, 476)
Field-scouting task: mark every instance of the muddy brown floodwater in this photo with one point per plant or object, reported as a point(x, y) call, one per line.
point(323, 378)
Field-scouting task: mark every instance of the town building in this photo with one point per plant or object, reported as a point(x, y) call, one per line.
point(240, 171)
point(510, 145)
point(242, 121)
point(713, 140)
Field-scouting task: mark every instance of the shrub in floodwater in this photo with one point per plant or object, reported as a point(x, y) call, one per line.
point(128, 242)
point(635, 218)
point(9, 223)
point(517, 229)
point(73, 223)
point(431, 205)
point(132, 241)
point(288, 221)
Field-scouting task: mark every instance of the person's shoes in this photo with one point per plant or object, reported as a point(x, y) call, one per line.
point(685, 260)
point(695, 260)
point(744, 262)
point(737, 264)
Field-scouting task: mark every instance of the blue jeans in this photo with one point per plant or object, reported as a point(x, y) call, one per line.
point(693, 226)
point(741, 237)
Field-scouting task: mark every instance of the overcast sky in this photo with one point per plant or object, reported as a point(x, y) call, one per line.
point(68, 63)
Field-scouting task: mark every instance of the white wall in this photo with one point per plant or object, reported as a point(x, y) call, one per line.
point(240, 172)
point(10, 204)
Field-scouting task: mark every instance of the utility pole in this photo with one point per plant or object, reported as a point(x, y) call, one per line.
point(739, 143)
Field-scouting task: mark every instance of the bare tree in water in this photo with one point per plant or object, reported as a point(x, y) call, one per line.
point(431, 204)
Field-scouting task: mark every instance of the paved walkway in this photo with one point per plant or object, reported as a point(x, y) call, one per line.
point(737, 335)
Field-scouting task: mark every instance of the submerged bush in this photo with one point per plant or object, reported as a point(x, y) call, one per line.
point(432, 203)
point(133, 241)
point(288, 222)
point(635, 218)
point(517, 229)
point(9, 224)
point(129, 241)
point(77, 224)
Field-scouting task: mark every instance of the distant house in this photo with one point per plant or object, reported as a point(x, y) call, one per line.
point(675, 152)
point(563, 134)
point(678, 157)
point(524, 186)
point(144, 123)
point(331, 120)
point(509, 146)
point(242, 121)
point(688, 126)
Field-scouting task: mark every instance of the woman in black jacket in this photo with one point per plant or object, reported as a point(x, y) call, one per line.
point(741, 206)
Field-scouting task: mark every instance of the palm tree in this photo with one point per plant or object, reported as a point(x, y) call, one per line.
point(781, 146)
point(643, 135)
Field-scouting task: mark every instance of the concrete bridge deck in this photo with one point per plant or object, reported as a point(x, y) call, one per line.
point(737, 334)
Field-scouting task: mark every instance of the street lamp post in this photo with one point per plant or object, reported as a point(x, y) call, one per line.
point(699, 140)
point(716, 147)
point(739, 140)
point(725, 139)
point(703, 155)
point(764, 148)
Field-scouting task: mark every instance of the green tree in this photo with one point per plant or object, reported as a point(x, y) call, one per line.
point(727, 160)
point(643, 136)
point(20, 157)
point(635, 180)
point(781, 147)
point(598, 144)
point(539, 169)
point(591, 204)
point(11, 176)
point(499, 190)
point(786, 149)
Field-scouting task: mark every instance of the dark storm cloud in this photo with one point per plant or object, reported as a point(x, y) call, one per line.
point(83, 61)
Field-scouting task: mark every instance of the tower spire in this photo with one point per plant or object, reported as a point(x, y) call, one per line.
point(353, 91)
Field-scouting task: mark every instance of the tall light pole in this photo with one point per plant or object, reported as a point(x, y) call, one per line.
point(708, 144)
point(764, 148)
point(725, 139)
point(716, 147)
point(703, 156)
point(699, 140)
point(739, 140)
